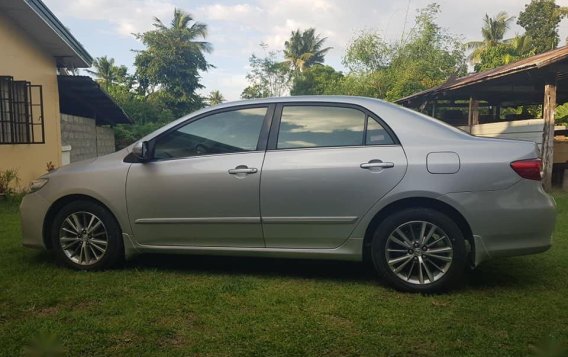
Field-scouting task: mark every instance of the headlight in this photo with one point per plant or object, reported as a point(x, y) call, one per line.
point(37, 184)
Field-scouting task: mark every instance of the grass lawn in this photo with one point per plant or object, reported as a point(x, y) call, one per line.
point(186, 305)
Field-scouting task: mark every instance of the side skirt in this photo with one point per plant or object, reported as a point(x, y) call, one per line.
point(351, 250)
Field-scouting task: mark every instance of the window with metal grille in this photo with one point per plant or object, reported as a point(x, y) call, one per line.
point(21, 112)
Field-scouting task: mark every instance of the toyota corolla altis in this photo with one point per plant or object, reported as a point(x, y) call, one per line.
point(342, 178)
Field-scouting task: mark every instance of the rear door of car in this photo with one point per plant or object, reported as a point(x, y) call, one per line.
point(325, 166)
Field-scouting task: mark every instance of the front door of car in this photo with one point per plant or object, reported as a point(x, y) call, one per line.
point(202, 186)
point(324, 169)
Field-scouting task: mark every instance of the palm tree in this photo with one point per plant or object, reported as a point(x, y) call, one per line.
point(521, 46)
point(493, 32)
point(104, 71)
point(215, 97)
point(304, 49)
point(107, 73)
point(181, 24)
point(68, 71)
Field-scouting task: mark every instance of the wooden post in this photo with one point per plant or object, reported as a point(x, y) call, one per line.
point(497, 112)
point(548, 112)
point(434, 102)
point(473, 113)
point(423, 106)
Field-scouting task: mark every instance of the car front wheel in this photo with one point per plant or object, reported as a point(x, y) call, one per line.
point(419, 250)
point(86, 236)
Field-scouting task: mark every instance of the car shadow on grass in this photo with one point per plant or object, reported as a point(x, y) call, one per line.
point(269, 267)
point(507, 273)
point(510, 273)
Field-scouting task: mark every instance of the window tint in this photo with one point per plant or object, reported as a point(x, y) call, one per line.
point(221, 133)
point(376, 134)
point(314, 126)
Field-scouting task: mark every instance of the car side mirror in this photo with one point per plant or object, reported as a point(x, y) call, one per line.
point(140, 150)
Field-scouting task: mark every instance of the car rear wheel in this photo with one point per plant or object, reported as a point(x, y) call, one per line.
point(419, 250)
point(86, 236)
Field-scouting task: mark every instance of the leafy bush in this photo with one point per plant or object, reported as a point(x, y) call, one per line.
point(8, 179)
point(126, 134)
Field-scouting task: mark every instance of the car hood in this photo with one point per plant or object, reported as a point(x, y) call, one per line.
point(88, 164)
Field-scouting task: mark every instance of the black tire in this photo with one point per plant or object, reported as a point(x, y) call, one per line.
point(408, 219)
point(114, 249)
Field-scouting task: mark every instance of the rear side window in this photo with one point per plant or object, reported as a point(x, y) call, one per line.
point(326, 126)
point(320, 126)
point(376, 134)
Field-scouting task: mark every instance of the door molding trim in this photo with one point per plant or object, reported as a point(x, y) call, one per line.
point(306, 220)
point(198, 220)
point(309, 220)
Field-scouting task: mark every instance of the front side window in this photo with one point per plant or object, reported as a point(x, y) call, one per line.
point(221, 133)
point(320, 126)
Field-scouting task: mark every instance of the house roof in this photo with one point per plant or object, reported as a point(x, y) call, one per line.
point(42, 25)
point(81, 96)
point(518, 70)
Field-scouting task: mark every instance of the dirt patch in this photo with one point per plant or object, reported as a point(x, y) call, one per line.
point(46, 311)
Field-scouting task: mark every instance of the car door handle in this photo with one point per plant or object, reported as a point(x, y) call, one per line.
point(377, 164)
point(243, 169)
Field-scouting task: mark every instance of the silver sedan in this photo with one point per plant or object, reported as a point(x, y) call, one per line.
point(342, 178)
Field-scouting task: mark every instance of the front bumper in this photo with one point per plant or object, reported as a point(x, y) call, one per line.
point(32, 214)
point(517, 221)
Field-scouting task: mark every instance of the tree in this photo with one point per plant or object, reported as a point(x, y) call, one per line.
point(504, 53)
point(493, 33)
point(562, 113)
point(316, 80)
point(268, 77)
point(107, 73)
point(427, 57)
point(540, 19)
point(254, 91)
point(68, 71)
point(172, 61)
point(304, 49)
point(367, 52)
point(148, 111)
point(215, 97)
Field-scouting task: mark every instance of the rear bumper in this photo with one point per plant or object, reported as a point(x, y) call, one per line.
point(517, 221)
point(32, 212)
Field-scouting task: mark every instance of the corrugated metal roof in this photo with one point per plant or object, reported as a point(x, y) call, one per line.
point(530, 63)
point(80, 95)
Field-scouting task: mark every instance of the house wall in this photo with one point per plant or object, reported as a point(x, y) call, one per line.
point(22, 58)
point(86, 139)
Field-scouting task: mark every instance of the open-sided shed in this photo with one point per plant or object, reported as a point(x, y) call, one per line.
point(87, 111)
point(515, 101)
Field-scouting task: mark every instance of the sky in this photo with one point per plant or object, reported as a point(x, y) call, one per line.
point(237, 27)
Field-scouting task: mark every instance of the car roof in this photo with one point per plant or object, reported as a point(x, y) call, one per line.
point(306, 98)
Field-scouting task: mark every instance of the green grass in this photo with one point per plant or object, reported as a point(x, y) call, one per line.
point(188, 305)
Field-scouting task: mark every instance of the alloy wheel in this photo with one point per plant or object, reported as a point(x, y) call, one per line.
point(83, 238)
point(419, 252)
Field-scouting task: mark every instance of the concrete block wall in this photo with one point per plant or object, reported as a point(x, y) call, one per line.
point(86, 139)
point(105, 141)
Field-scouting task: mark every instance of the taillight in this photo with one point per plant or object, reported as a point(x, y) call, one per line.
point(530, 169)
